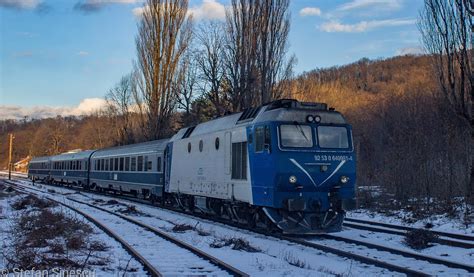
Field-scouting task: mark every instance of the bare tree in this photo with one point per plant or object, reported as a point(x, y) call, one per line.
point(257, 42)
point(119, 105)
point(210, 60)
point(272, 43)
point(164, 33)
point(185, 85)
point(446, 27)
point(241, 46)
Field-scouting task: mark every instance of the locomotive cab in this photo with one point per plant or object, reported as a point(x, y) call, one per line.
point(302, 166)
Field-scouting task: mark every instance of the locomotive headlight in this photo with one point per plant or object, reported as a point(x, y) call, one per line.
point(317, 119)
point(309, 118)
point(344, 179)
point(324, 168)
point(292, 179)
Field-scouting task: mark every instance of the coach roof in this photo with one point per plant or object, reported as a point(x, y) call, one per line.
point(132, 149)
point(72, 156)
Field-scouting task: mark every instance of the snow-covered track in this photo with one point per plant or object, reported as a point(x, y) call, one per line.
point(406, 228)
point(357, 257)
point(457, 240)
point(222, 267)
point(134, 253)
point(404, 253)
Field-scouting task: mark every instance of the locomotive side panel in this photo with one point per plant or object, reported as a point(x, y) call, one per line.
point(206, 165)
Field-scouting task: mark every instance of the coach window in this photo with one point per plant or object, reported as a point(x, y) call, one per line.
point(146, 163)
point(189, 147)
point(149, 165)
point(127, 163)
point(97, 165)
point(121, 164)
point(140, 163)
point(134, 164)
point(216, 143)
point(116, 164)
point(201, 145)
point(158, 164)
point(102, 165)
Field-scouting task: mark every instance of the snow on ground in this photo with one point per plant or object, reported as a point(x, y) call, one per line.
point(440, 222)
point(14, 174)
point(456, 254)
point(118, 258)
point(276, 258)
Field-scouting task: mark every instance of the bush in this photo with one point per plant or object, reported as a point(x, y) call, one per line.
point(181, 228)
point(420, 238)
point(236, 243)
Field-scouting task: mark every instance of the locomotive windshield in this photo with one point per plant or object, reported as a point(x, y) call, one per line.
point(296, 136)
point(332, 137)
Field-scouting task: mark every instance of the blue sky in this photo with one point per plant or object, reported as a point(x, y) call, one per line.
point(63, 55)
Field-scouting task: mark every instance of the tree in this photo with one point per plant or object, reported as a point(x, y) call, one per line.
point(119, 106)
point(185, 86)
point(272, 44)
point(164, 33)
point(446, 26)
point(210, 60)
point(257, 34)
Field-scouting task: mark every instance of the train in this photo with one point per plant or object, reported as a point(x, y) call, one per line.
point(285, 166)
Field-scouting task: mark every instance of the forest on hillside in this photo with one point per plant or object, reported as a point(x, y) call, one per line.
point(412, 116)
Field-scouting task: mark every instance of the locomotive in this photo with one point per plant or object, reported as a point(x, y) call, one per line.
point(287, 166)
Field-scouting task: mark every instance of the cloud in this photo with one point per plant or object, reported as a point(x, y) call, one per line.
point(209, 9)
point(364, 26)
point(82, 53)
point(380, 4)
point(415, 51)
point(88, 6)
point(139, 11)
point(310, 11)
point(20, 4)
point(86, 106)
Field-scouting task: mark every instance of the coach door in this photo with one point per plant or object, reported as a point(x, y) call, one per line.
point(260, 149)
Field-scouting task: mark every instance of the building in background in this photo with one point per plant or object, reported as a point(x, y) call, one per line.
point(22, 165)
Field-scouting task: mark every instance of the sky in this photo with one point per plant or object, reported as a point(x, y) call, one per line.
point(62, 56)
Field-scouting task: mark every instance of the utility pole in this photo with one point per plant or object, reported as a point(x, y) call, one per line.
point(10, 151)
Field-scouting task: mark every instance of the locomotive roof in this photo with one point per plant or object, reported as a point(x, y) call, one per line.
point(281, 110)
point(72, 156)
point(40, 159)
point(132, 149)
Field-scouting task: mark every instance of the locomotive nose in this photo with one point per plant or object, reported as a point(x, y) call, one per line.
point(318, 174)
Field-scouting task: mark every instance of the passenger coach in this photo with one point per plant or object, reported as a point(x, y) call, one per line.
point(71, 168)
point(136, 169)
point(39, 169)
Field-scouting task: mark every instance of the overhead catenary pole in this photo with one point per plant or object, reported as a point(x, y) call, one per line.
point(10, 151)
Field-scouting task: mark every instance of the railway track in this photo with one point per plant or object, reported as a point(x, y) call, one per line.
point(456, 240)
point(363, 258)
point(205, 264)
point(406, 228)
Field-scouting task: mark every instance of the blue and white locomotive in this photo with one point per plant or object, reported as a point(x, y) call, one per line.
point(287, 165)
